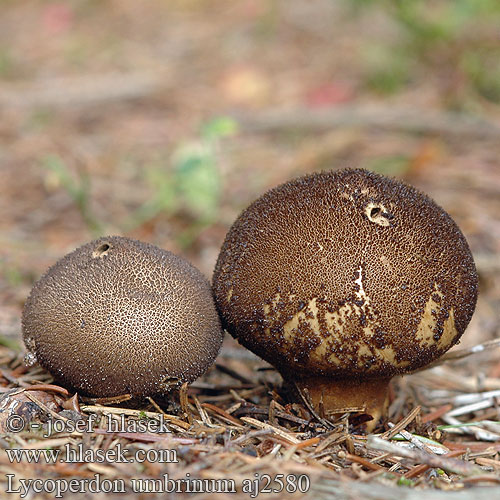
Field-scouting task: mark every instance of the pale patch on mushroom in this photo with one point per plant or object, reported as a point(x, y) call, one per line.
point(309, 314)
point(272, 306)
point(426, 330)
point(449, 331)
point(309, 317)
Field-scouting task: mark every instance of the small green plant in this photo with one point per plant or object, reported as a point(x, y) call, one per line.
point(78, 188)
point(186, 184)
point(392, 165)
point(6, 63)
point(11, 273)
point(402, 481)
point(452, 40)
point(387, 72)
point(10, 343)
point(192, 184)
point(198, 182)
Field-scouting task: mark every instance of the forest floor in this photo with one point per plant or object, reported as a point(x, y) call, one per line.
point(161, 121)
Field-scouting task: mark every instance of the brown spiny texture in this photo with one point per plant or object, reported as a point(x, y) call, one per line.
point(345, 274)
point(120, 316)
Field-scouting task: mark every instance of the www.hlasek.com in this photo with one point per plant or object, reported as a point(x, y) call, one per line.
point(261, 483)
point(70, 454)
point(79, 454)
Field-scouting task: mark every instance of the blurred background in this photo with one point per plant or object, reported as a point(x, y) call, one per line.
point(162, 120)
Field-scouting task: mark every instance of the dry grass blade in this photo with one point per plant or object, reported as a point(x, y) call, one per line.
point(463, 353)
point(44, 407)
point(395, 429)
point(436, 448)
point(449, 464)
point(434, 415)
point(488, 462)
point(47, 387)
point(248, 409)
point(251, 435)
point(183, 400)
point(108, 401)
point(47, 443)
point(366, 463)
point(261, 425)
point(476, 429)
point(307, 403)
point(222, 413)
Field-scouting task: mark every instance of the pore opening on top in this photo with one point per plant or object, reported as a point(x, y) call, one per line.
point(101, 250)
point(377, 213)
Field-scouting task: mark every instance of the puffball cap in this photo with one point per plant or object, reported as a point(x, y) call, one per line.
point(345, 273)
point(119, 316)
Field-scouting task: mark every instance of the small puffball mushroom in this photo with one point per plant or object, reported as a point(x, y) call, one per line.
point(119, 316)
point(342, 280)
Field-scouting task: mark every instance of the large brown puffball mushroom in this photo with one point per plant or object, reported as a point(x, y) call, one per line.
point(342, 280)
point(118, 316)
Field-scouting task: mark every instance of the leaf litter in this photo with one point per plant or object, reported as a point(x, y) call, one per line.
point(236, 422)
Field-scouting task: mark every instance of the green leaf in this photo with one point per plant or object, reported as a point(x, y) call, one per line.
point(402, 481)
point(10, 343)
point(219, 127)
point(197, 179)
point(393, 165)
point(79, 189)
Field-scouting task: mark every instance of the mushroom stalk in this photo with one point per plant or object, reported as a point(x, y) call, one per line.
point(331, 396)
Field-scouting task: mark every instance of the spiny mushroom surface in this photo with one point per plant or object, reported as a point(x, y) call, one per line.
point(342, 280)
point(119, 316)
